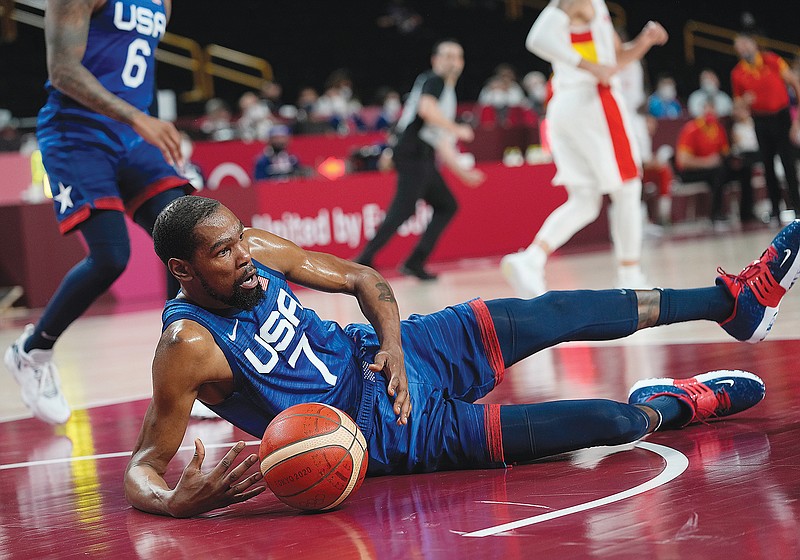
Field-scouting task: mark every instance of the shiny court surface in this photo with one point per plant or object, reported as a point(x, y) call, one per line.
point(729, 489)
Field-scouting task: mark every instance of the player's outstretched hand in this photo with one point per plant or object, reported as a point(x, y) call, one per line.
point(198, 492)
point(394, 368)
point(654, 33)
point(161, 134)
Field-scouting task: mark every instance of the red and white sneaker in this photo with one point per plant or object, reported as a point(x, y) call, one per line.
point(759, 288)
point(710, 395)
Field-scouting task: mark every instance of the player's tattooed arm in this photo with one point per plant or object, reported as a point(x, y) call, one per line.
point(66, 25)
point(385, 292)
point(322, 271)
point(66, 36)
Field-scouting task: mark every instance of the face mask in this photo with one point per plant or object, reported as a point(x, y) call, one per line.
point(709, 86)
point(391, 106)
point(667, 92)
point(346, 92)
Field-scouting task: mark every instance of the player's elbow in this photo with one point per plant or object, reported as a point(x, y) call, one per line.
point(534, 43)
point(60, 75)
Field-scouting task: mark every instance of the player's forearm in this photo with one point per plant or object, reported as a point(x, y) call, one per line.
point(432, 114)
point(78, 83)
point(147, 491)
point(633, 51)
point(379, 306)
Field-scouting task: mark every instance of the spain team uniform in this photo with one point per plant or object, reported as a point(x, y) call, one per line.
point(590, 130)
point(283, 354)
point(95, 162)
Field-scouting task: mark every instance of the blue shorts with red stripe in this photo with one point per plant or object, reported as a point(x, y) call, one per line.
point(99, 164)
point(452, 359)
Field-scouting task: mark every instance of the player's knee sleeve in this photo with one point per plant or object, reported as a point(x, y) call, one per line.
point(533, 431)
point(106, 235)
point(109, 260)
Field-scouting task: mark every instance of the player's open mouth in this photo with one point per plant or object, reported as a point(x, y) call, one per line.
point(250, 283)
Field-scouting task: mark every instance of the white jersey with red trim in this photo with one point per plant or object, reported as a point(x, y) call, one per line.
point(589, 125)
point(595, 43)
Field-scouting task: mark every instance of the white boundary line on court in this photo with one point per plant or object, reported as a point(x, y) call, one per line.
point(44, 462)
point(676, 461)
point(676, 465)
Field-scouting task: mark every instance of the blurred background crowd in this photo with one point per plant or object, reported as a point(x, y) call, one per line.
point(340, 69)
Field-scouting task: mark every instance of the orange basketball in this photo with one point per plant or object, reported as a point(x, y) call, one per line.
point(313, 456)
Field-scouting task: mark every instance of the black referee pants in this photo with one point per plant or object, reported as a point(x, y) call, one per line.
point(772, 131)
point(417, 179)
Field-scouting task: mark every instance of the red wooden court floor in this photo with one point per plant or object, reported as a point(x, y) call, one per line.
point(729, 489)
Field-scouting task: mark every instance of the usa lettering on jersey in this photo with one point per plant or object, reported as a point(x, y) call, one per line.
point(276, 336)
point(143, 20)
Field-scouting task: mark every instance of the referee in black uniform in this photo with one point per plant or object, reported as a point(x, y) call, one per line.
point(427, 130)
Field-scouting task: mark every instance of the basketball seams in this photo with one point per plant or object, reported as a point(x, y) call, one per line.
point(344, 437)
point(339, 426)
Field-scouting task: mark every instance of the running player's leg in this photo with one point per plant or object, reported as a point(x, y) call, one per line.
point(626, 224)
point(106, 237)
point(525, 270)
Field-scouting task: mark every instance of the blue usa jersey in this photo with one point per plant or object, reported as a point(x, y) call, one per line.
point(120, 53)
point(280, 353)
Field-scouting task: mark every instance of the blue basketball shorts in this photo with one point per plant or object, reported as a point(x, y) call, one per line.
point(452, 359)
point(99, 164)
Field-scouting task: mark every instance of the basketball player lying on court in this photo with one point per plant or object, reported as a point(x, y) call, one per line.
point(239, 340)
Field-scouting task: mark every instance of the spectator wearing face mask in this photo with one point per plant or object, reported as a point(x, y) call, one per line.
point(338, 105)
point(275, 162)
point(663, 102)
point(254, 121)
point(535, 84)
point(709, 89)
point(391, 107)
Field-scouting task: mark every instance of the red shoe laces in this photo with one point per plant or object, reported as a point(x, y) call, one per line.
point(707, 402)
point(759, 278)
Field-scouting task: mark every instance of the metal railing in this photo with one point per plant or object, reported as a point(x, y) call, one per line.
point(218, 52)
point(697, 35)
point(205, 64)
